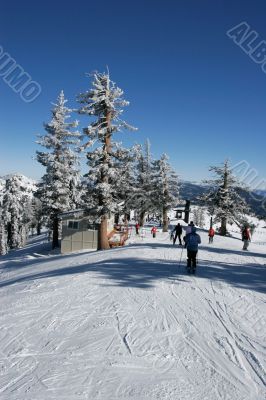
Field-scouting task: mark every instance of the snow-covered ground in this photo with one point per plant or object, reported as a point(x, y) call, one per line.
point(130, 323)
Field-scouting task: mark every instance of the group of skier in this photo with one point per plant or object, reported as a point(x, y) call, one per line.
point(192, 240)
point(153, 230)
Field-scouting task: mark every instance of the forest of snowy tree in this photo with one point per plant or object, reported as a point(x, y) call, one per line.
point(118, 179)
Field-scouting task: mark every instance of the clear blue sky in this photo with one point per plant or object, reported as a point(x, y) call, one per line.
point(194, 93)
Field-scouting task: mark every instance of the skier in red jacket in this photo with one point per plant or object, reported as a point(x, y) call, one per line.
point(137, 226)
point(246, 237)
point(153, 231)
point(211, 234)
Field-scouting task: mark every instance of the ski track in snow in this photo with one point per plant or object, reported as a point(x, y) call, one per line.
point(130, 323)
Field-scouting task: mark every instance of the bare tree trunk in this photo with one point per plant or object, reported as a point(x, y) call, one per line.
point(223, 226)
point(126, 218)
point(117, 216)
point(14, 233)
point(39, 226)
point(142, 218)
point(9, 233)
point(55, 242)
point(225, 187)
point(103, 243)
point(187, 211)
point(165, 220)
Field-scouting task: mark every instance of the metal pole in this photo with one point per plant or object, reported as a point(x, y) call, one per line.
point(187, 210)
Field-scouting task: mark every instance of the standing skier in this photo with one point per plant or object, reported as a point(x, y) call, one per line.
point(137, 226)
point(177, 232)
point(192, 241)
point(211, 234)
point(153, 231)
point(246, 237)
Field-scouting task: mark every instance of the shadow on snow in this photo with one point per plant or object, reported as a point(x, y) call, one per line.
point(142, 273)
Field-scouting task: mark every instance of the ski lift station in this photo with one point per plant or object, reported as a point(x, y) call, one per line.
point(182, 211)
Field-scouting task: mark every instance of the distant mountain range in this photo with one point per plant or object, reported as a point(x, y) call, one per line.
point(260, 192)
point(191, 190)
point(188, 191)
point(255, 199)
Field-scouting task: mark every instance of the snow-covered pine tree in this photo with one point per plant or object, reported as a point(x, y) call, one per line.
point(223, 200)
point(26, 219)
point(58, 189)
point(125, 183)
point(37, 214)
point(14, 200)
point(198, 216)
point(144, 197)
point(127, 190)
point(104, 102)
point(3, 237)
point(165, 188)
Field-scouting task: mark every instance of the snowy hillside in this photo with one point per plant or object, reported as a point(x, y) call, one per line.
point(131, 324)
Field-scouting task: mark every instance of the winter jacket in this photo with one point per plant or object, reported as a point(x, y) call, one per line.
point(192, 241)
point(245, 234)
point(177, 229)
point(211, 232)
point(153, 230)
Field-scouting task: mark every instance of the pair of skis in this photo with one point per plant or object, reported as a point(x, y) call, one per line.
point(191, 270)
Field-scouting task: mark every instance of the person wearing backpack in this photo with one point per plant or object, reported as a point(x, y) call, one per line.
point(192, 241)
point(177, 232)
point(246, 237)
point(211, 234)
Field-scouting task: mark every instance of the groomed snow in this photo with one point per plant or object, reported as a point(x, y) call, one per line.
point(131, 324)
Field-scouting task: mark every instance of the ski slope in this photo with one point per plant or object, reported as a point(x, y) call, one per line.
point(131, 324)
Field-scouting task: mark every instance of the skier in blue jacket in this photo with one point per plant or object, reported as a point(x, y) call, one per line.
point(192, 241)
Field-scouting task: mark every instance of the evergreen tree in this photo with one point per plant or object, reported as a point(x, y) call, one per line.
point(165, 188)
point(3, 237)
point(104, 102)
point(14, 200)
point(223, 200)
point(37, 214)
point(58, 189)
point(125, 184)
point(198, 216)
point(26, 219)
point(144, 200)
